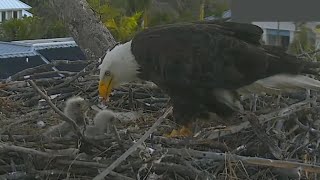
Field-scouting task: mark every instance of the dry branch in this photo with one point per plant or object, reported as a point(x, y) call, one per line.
point(244, 159)
point(65, 118)
point(45, 67)
point(180, 169)
point(134, 147)
point(83, 24)
point(262, 119)
point(136, 105)
point(6, 147)
point(92, 164)
point(263, 137)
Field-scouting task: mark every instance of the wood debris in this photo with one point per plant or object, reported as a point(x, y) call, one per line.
point(277, 138)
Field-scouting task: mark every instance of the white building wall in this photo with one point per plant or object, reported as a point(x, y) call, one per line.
point(290, 26)
point(291, 36)
point(264, 35)
point(19, 14)
point(274, 25)
point(9, 15)
point(6, 15)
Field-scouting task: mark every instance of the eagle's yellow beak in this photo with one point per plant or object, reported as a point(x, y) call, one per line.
point(105, 87)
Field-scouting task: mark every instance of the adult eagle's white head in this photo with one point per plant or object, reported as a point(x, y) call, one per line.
point(118, 66)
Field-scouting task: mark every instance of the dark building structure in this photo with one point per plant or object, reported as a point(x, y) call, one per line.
point(16, 56)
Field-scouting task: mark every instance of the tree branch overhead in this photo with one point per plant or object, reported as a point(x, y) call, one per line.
point(86, 29)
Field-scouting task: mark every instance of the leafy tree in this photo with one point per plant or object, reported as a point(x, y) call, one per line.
point(30, 28)
point(125, 27)
point(104, 10)
point(20, 29)
point(302, 42)
point(35, 27)
point(130, 7)
point(117, 19)
point(215, 8)
point(161, 18)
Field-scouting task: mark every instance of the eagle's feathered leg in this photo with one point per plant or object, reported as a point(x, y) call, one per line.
point(184, 114)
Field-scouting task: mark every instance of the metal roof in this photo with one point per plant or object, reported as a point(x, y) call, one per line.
point(29, 47)
point(13, 4)
point(37, 41)
point(226, 14)
point(14, 50)
point(26, 13)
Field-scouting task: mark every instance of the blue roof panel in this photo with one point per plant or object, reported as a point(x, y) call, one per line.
point(10, 48)
point(29, 47)
point(13, 4)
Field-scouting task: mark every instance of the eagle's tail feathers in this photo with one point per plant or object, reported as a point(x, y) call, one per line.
point(281, 83)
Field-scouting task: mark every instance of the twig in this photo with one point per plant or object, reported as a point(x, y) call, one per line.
point(7, 147)
point(190, 142)
point(262, 119)
point(192, 173)
point(306, 128)
point(263, 137)
point(92, 164)
point(117, 136)
point(45, 67)
point(81, 73)
point(64, 117)
point(134, 147)
point(49, 73)
point(8, 127)
point(244, 159)
point(308, 53)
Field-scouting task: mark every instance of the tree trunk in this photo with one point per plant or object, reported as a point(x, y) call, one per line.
point(90, 34)
point(201, 14)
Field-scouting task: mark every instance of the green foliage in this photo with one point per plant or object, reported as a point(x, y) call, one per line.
point(125, 27)
point(30, 28)
point(160, 18)
point(215, 8)
point(130, 6)
point(302, 41)
point(104, 10)
point(56, 29)
point(21, 29)
point(115, 18)
point(124, 18)
point(36, 27)
point(40, 7)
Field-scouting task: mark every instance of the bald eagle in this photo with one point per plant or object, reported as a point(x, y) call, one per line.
point(200, 65)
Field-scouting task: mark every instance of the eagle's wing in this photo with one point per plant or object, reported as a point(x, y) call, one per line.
point(209, 54)
point(247, 32)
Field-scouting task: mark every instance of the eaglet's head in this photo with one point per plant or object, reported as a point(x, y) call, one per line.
point(75, 108)
point(118, 66)
point(102, 123)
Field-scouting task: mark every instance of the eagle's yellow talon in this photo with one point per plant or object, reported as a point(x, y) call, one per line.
point(183, 132)
point(174, 133)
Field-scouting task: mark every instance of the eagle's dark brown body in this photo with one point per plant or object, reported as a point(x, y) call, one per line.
point(192, 60)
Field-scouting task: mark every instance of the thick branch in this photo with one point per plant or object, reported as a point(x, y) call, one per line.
point(65, 118)
point(89, 33)
point(262, 119)
point(134, 147)
point(244, 159)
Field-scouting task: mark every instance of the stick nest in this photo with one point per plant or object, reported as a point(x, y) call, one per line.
point(277, 137)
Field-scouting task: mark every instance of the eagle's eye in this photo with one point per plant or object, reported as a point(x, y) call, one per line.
point(107, 73)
